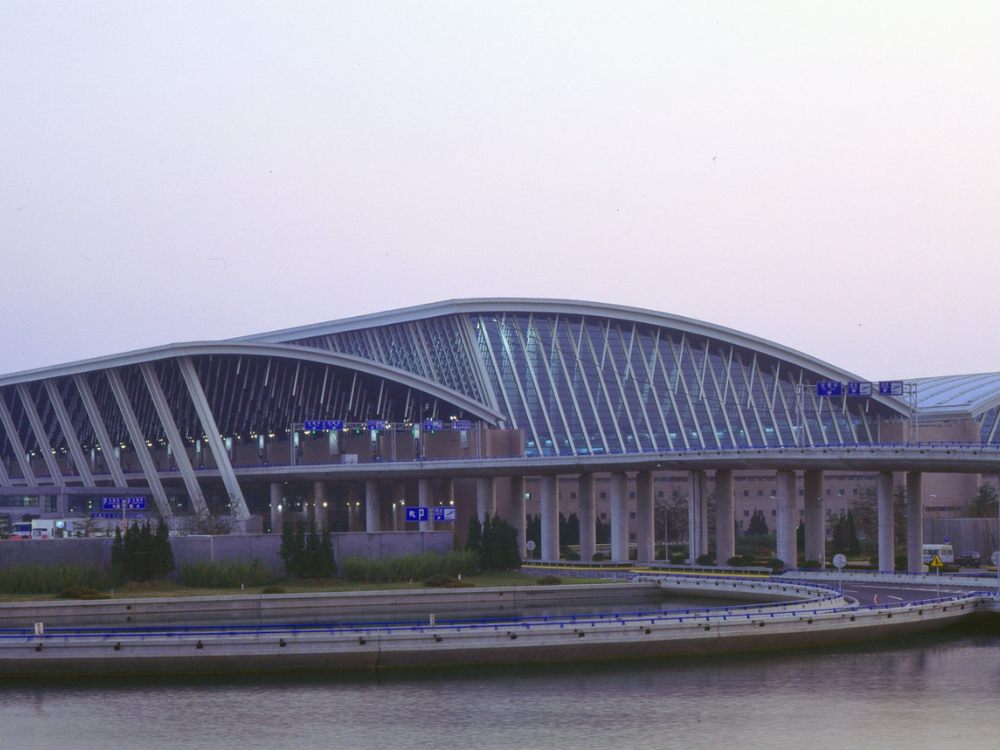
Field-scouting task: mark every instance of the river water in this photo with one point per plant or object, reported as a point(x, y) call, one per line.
point(937, 691)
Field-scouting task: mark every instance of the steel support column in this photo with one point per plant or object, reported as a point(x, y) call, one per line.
point(177, 446)
point(139, 443)
point(40, 437)
point(66, 425)
point(100, 430)
point(15, 440)
point(239, 508)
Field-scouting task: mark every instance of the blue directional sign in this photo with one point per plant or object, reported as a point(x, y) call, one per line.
point(413, 515)
point(115, 503)
point(461, 425)
point(890, 387)
point(323, 425)
point(443, 515)
point(375, 424)
point(430, 425)
point(97, 514)
point(829, 388)
point(859, 388)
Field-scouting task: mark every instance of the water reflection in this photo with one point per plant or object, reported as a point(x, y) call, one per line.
point(936, 689)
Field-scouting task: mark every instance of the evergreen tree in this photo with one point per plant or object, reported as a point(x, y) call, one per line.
point(499, 548)
point(602, 532)
point(327, 566)
point(474, 537)
point(310, 555)
point(758, 524)
point(164, 553)
point(800, 537)
point(118, 557)
point(851, 534)
point(287, 550)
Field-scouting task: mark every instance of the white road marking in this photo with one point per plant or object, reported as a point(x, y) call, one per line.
point(897, 598)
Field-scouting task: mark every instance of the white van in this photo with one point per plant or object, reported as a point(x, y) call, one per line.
point(944, 551)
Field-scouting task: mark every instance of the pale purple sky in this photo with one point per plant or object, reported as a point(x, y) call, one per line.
point(821, 174)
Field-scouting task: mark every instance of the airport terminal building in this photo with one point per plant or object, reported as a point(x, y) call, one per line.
point(309, 420)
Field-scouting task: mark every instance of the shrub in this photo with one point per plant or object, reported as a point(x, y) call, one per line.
point(439, 579)
point(901, 562)
point(812, 565)
point(736, 562)
point(52, 579)
point(750, 558)
point(678, 558)
point(81, 592)
point(705, 560)
point(229, 574)
point(409, 567)
point(775, 564)
point(549, 581)
point(873, 563)
point(598, 557)
point(572, 556)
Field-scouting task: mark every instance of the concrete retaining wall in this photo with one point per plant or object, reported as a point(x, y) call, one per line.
point(189, 549)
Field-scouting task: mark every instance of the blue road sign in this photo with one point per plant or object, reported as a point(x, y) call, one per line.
point(859, 388)
point(461, 425)
point(443, 515)
point(432, 424)
point(375, 424)
point(115, 503)
point(890, 387)
point(323, 425)
point(829, 388)
point(413, 515)
point(97, 514)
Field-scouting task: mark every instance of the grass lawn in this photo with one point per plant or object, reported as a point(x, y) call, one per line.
point(168, 588)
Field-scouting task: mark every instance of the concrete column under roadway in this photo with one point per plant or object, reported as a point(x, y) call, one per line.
point(914, 521)
point(619, 517)
point(277, 523)
point(425, 499)
point(886, 524)
point(785, 481)
point(373, 506)
point(588, 517)
point(486, 497)
point(517, 511)
point(815, 519)
point(644, 517)
point(321, 510)
point(698, 515)
point(549, 503)
point(725, 517)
